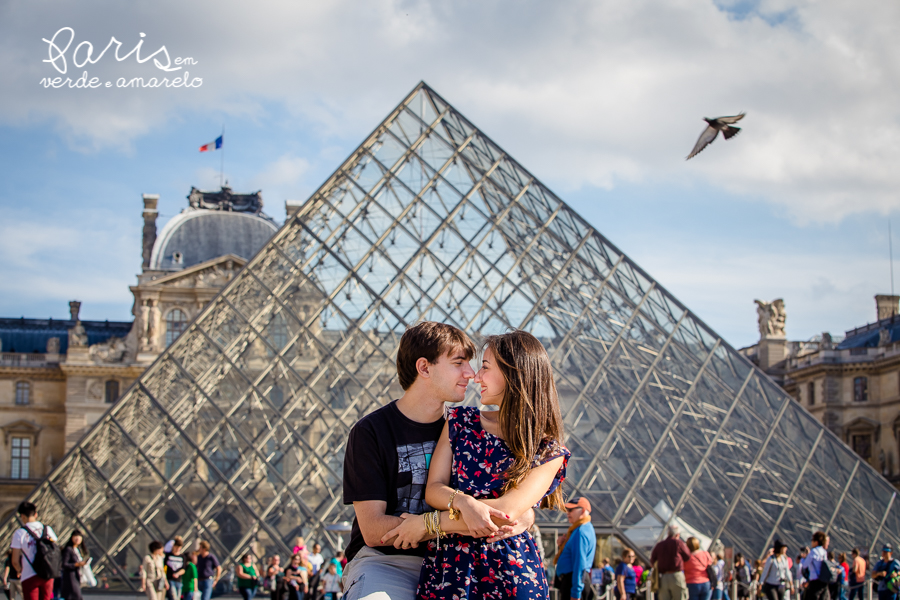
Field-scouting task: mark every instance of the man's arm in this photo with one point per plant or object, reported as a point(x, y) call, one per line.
point(373, 523)
point(683, 550)
point(17, 561)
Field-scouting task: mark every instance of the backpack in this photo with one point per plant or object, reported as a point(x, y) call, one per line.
point(607, 578)
point(892, 581)
point(47, 557)
point(830, 572)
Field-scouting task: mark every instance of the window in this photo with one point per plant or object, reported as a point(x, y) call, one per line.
point(862, 445)
point(176, 323)
point(23, 392)
point(172, 462)
point(860, 389)
point(21, 458)
point(112, 391)
point(811, 393)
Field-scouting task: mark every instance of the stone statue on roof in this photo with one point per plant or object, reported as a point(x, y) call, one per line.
point(771, 317)
point(77, 335)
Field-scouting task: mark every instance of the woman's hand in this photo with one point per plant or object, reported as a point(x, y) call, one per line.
point(407, 534)
point(479, 517)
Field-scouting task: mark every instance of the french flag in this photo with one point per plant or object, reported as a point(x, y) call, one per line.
point(212, 145)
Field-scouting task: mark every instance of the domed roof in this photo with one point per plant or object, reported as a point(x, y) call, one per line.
point(214, 225)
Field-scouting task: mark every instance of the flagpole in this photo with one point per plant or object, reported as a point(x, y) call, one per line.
point(222, 164)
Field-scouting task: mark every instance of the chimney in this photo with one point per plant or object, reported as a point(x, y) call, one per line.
point(74, 308)
point(150, 214)
point(291, 207)
point(887, 306)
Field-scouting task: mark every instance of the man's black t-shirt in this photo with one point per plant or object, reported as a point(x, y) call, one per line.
point(387, 459)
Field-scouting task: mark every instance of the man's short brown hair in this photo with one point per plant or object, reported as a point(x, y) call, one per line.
point(429, 340)
point(204, 545)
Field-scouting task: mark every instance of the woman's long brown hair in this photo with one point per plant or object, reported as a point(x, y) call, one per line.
point(529, 413)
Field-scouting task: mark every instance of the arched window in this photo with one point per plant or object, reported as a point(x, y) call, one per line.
point(23, 392)
point(176, 323)
point(278, 332)
point(112, 391)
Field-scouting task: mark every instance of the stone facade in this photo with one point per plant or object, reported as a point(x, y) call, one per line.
point(58, 378)
point(851, 385)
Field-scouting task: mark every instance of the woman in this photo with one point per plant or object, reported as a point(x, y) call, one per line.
point(153, 576)
point(638, 571)
point(296, 578)
point(74, 556)
point(695, 574)
point(273, 576)
point(776, 576)
point(626, 578)
point(742, 576)
point(842, 559)
point(246, 577)
point(493, 466)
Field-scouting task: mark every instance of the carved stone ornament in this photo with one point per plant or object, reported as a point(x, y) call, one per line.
point(110, 351)
point(93, 389)
point(771, 317)
point(53, 345)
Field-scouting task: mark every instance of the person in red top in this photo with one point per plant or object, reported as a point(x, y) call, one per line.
point(669, 557)
point(695, 571)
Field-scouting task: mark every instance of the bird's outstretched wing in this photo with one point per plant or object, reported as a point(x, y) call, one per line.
point(706, 138)
point(730, 120)
point(729, 132)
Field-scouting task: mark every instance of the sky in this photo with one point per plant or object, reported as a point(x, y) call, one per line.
point(600, 100)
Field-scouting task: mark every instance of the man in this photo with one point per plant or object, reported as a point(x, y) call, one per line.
point(315, 558)
point(24, 547)
point(387, 458)
point(575, 559)
point(208, 571)
point(882, 572)
point(174, 563)
point(816, 589)
point(669, 556)
point(857, 575)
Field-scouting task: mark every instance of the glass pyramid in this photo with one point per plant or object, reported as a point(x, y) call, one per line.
point(236, 433)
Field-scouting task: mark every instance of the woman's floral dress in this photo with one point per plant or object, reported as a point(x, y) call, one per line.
point(467, 567)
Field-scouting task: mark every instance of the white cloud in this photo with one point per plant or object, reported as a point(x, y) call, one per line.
point(593, 93)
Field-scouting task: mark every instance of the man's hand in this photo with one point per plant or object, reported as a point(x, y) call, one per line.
point(408, 534)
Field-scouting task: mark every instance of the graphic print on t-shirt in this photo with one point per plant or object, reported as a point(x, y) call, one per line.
point(413, 461)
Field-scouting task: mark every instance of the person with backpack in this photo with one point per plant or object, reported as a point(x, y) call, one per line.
point(609, 576)
point(817, 588)
point(36, 555)
point(887, 573)
point(835, 584)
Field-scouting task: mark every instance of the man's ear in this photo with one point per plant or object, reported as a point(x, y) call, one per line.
point(423, 368)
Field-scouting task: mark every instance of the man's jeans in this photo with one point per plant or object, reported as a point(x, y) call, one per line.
point(174, 592)
point(205, 587)
point(372, 575)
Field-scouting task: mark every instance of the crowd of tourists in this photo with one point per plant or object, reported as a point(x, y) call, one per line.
point(37, 568)
point(684, 571)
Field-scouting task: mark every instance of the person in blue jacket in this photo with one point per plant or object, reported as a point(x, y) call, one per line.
point(576, 558)
point(882, 572)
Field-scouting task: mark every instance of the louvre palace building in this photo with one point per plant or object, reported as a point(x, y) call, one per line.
point(222, 411)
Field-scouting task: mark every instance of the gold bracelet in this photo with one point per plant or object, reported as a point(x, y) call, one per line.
point(437, 525)
point(428, 527)
point(454, 512)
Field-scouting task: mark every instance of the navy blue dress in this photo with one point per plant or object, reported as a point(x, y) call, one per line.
point(467, 567)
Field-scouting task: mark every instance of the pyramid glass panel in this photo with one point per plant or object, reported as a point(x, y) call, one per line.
point(236, 434)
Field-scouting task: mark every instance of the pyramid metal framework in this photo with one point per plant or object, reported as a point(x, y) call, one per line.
point(236, 433)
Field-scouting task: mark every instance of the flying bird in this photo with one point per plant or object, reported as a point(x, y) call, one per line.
point(713, 128)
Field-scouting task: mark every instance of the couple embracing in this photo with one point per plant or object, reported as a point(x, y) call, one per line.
point(483, 471)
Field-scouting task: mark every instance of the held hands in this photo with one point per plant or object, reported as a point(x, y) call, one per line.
point(407, 534)
point(480, 518)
